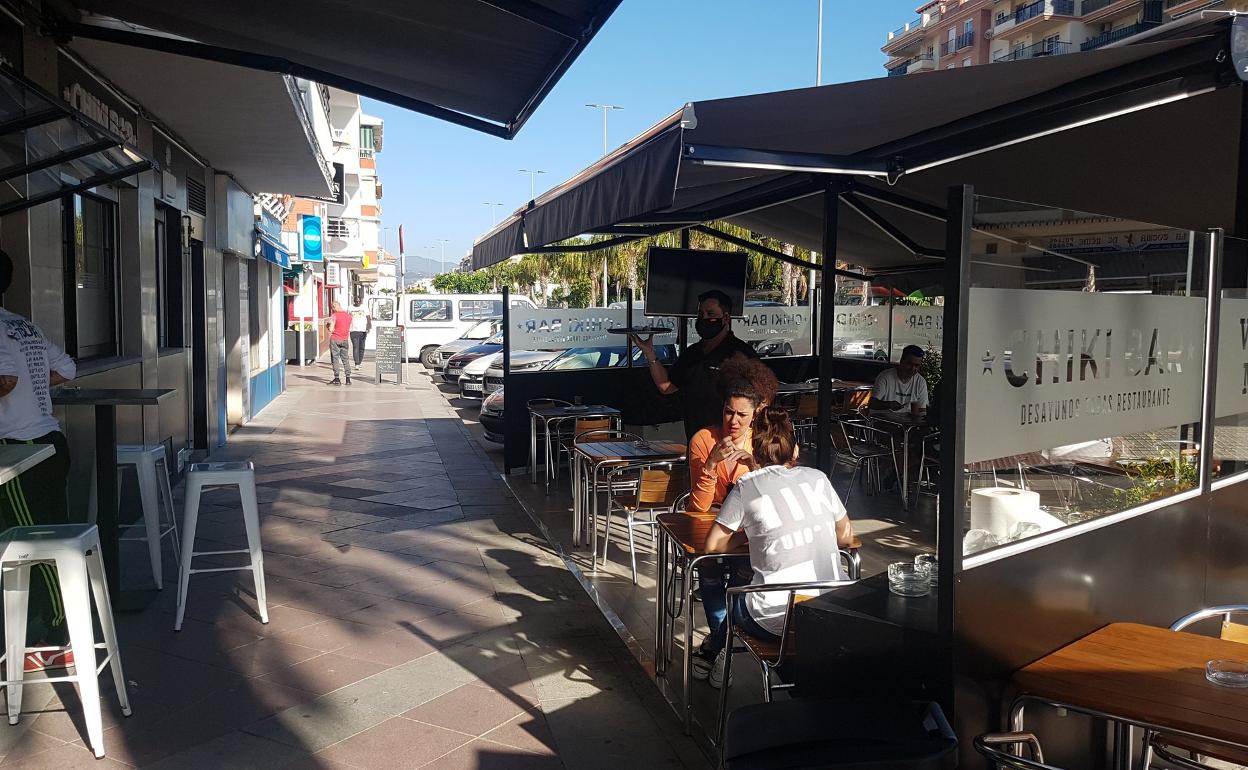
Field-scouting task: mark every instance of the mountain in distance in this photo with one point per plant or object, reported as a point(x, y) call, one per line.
point(423, 267)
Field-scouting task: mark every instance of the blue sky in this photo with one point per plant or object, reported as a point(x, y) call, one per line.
point(651, 58)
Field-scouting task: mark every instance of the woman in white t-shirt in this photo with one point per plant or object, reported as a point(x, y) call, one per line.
point(793, 519)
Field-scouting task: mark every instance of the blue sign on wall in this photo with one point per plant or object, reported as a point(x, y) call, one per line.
point(310, 228)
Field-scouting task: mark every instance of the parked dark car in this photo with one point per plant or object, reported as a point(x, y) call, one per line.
point(456, 363)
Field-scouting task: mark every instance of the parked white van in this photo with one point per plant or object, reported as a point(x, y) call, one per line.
point(430, 320)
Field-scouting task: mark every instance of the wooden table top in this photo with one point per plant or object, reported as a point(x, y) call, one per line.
point(689, 530)
point(16, 459)
point(631, 450)
point(902, 418)
point(813, 387)
point(596, 410)
point(1145, 674)
point(70, 396)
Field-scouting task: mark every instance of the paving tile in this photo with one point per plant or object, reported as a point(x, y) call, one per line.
point(527, 731)
point(65, 757)
point(270, 654)
point(377, 748)
point(470, 709)
point(237, 751)
point(390, 647)
point(324, 673)
point(24, 743)
point(394, 613)
point(486, 755)
point(330, 635)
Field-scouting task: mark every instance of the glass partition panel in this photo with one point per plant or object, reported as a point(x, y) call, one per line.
point(1084, 368)
point(1230, 427)
point(556, 339)
point(772, 328)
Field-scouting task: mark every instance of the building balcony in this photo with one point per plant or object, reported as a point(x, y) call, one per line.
point(1043, 48)
point(913, 64)
point(1002, 22)
point(1114, 36)
point(906, 37)
point(965, 40)
point(1037, 16)
point(342, 229)
point(1177, 8)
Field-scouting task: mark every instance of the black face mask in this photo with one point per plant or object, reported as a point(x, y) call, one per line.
point(707, 328)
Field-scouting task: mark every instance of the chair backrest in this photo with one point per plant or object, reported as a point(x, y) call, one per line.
point(840, 436)
point(658, 488)
point(604, 434)
point(681, 503)
point(586, 424)
point(858, 399)
point(807, 406)
point(1231, 631)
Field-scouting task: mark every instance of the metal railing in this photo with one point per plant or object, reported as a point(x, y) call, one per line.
point(1045, 7)
point(1043, 48)
point(337, 227)
point(921, 22)
point(965, 40)
point(322, 92)
point(367, 152)
point(905, 66)
point(1092, 6)
point(1114, 36)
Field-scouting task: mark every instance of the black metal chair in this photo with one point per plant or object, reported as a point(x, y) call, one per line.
point(990, 745)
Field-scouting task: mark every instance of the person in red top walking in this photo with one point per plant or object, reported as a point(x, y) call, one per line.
point(339, 324)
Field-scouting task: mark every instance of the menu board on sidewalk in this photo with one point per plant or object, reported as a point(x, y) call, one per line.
point(390, 352)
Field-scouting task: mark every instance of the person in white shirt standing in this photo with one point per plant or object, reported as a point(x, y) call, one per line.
point(29, 366)
point(795, 525)
point(361, 324)
point(901, 387)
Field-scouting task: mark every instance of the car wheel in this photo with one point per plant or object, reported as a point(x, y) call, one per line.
point(426, 356)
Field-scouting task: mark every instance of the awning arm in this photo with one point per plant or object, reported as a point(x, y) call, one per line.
point(889, 229)
point(748, 244)
point(19, 169)
point(255, 61)
point(794, 162)
point(583, 248)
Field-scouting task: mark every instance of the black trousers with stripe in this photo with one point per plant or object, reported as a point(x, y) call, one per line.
point(37, 497)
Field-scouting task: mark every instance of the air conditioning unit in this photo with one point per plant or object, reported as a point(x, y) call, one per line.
point(339, 135)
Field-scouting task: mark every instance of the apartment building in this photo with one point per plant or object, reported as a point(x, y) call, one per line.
point(960, 33)
point(346, 264)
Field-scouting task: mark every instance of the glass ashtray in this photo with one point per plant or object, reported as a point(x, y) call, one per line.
point(1227, 673)
point(905, 578)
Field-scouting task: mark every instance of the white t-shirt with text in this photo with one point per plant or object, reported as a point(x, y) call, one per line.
point(26, 413)
point(889, 387)
point(789, 516)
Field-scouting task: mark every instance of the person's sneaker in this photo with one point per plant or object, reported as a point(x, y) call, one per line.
point(53, 659)
point(47, 660)
point(348, 380)
point(703, 662)
point(334, 381)
point(717, 671)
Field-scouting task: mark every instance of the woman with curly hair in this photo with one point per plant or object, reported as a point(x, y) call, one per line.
point(720, 455)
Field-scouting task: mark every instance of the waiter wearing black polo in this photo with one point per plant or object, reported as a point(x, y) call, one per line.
point(695, 371)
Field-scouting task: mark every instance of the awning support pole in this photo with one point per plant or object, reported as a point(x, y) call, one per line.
point(827, 323)
point(888, 228)
point(747, 244)
point(1213, 317)
point(682, 328)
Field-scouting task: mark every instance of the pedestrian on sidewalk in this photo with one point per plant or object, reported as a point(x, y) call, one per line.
point(29, 365)
point(361, 325)
point(339, 325)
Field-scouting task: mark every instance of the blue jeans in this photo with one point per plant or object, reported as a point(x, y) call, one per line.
point(715, 604)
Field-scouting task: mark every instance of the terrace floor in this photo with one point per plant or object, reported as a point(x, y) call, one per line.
point(419, 619)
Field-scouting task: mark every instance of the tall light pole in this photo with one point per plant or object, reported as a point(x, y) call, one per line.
point(532, 180)
point(819, 50)
point(606, 110)
point(442, 255)
point(494, 207)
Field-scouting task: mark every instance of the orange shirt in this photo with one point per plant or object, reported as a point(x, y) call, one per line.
point(707, 490)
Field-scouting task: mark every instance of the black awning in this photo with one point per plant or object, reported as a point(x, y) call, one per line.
point(48, 149)
point(762, 161)
point(485, 64)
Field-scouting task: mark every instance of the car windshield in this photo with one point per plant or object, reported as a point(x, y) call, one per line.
point(495, 339)
point(480, 331)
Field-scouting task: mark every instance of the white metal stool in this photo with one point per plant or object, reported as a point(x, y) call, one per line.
point(152, 470)
point(203, 476)
point(75, 550)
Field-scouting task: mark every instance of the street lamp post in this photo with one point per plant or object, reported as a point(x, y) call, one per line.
point(532, 180)
point(819, 50)
point(606, 110)
point(442, 255)
point(494, 207)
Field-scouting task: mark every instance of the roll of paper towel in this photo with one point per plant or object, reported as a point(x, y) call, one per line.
point(1001, 509)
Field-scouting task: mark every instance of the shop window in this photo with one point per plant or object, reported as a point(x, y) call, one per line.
point(170, 299)
point(89, 232)
point(381, 308)
point(254, 308)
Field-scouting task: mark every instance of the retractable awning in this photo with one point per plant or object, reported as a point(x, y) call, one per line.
point(252, 125)
point(48, 149)
point(484, 64)
point(1043, 130)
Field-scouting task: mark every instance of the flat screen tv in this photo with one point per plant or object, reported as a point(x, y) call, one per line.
point(675, 278)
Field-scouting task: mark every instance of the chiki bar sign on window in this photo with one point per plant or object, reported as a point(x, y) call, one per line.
point(1046, 369)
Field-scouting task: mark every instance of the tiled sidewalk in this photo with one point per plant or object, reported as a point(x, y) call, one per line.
point(417, 618)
